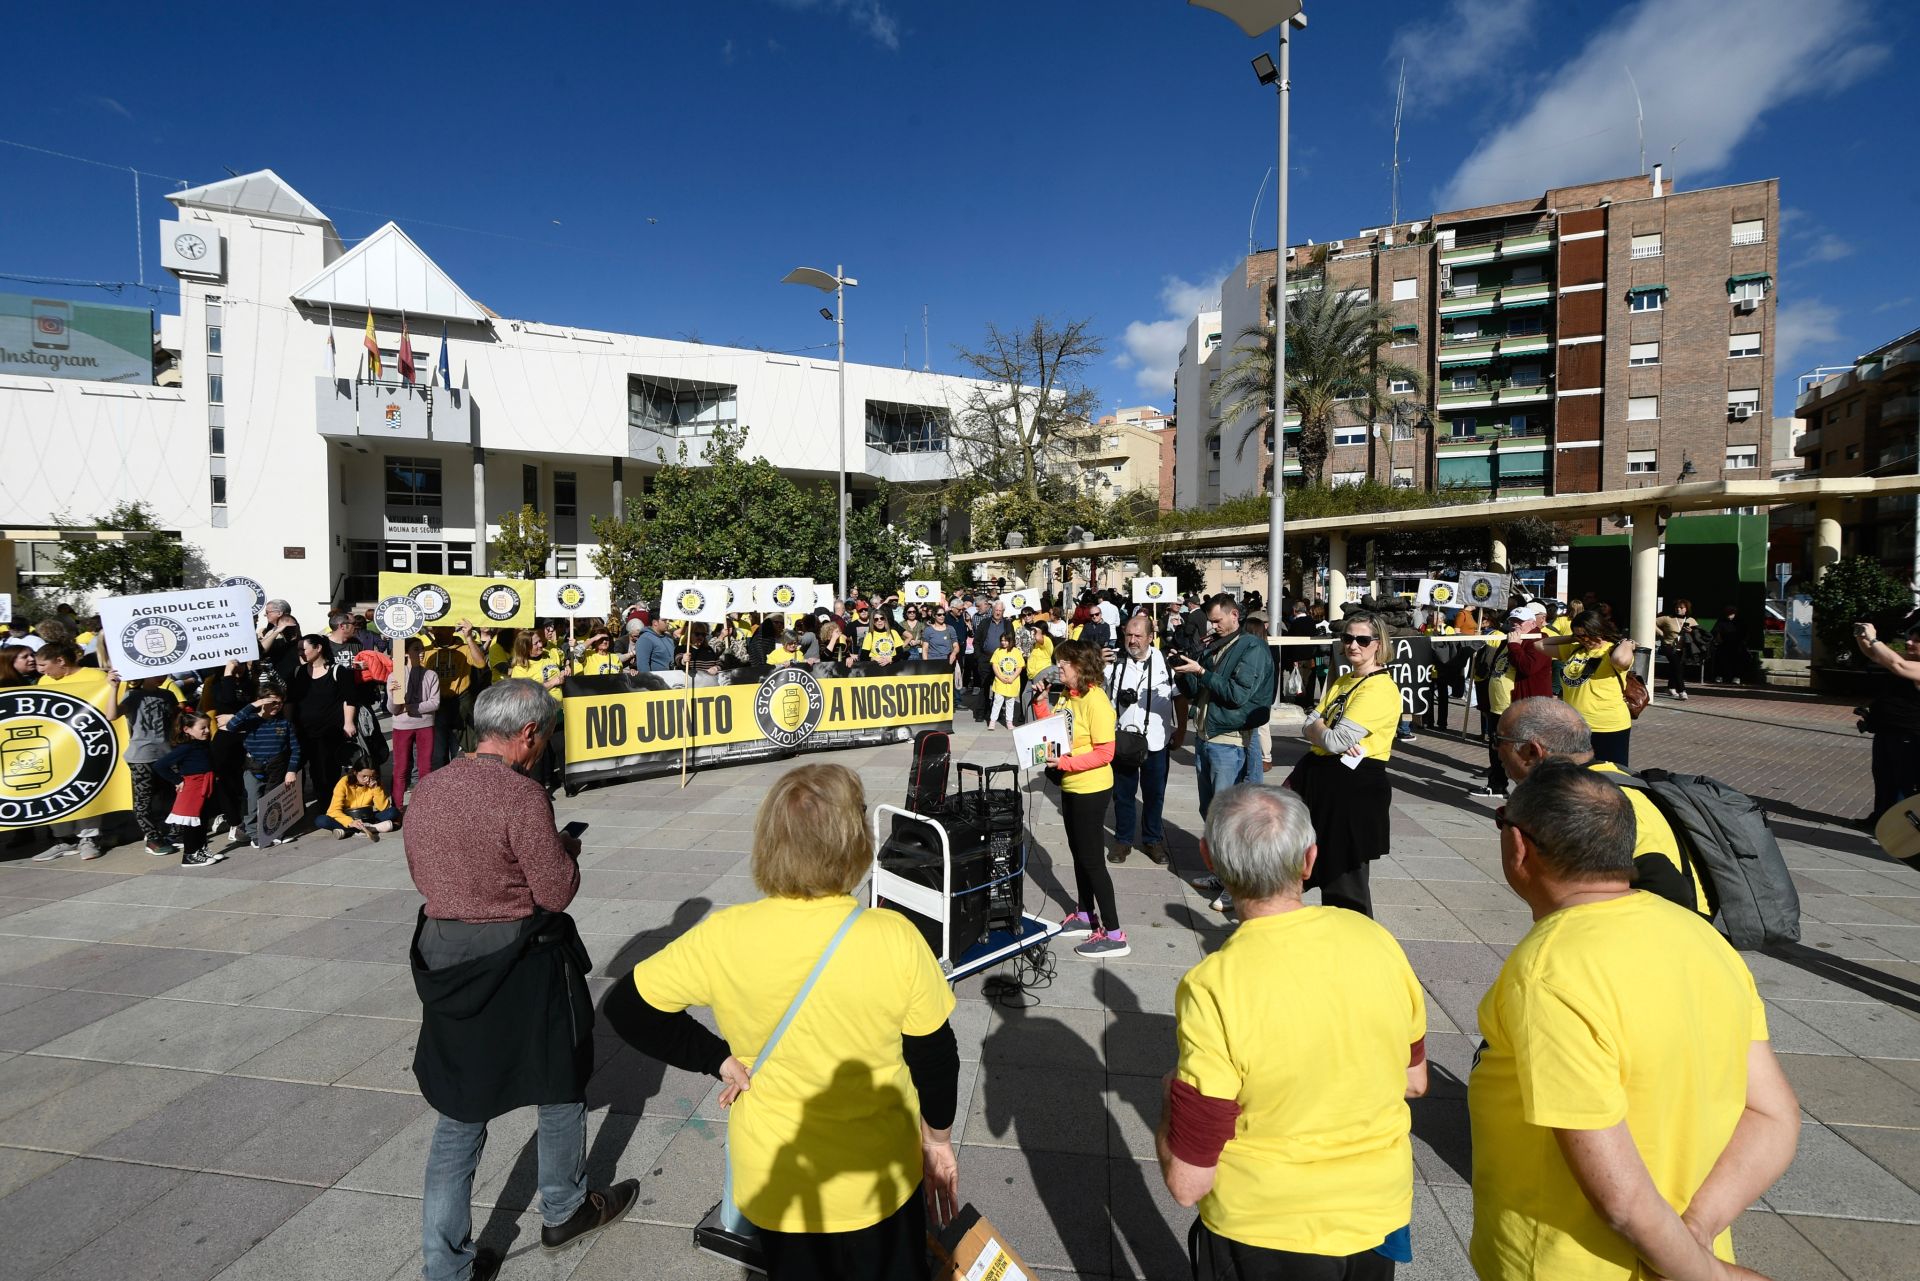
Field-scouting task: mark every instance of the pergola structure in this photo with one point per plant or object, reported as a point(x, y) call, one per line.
point(1648, 508)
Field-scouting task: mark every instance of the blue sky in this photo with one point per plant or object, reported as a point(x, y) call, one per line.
point(985, 159)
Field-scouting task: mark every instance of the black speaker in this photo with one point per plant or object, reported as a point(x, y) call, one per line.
point(912, 851)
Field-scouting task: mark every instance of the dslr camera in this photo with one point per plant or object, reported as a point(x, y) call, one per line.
point(1127, 698)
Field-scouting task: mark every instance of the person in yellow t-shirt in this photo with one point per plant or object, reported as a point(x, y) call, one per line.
point(1343, 777)
point(1593, 681)
point(599, 658)
point(883, 643)
point(1040, 657)
point(1618, 1123)
point(532, 661)
point(1285, 1117)
point(785, 652)
point(1007, 666)
point(1535, 730)
point(1085, 774)
point(839, 1137)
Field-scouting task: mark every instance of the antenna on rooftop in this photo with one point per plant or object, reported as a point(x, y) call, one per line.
point(1639, 120)
point(1399, 102)
point(926, 342)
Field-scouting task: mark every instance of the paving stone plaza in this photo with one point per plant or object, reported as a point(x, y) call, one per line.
point(207, 1074)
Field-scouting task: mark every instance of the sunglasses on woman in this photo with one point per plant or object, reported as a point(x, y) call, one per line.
point(1357, 638)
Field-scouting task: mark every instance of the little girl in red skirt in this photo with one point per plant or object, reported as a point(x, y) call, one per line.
point(189, 767)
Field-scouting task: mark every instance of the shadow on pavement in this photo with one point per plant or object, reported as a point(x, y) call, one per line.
point(1857, 975)
point(1440, 1121)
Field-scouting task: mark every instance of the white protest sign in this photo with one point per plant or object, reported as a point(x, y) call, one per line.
point(6, 608)
point(785, 595)
point(398, 617)
point(279, 810)
point(1155, 591)
point(1030, 740)
point(259, 592)
point(1485, 590)
point(920, 591)
point(1438, 591)
point(741, 594)
point(823, 596)
point(1024, 598)
point(694, 600)
point(174, 631)
point(572, 597)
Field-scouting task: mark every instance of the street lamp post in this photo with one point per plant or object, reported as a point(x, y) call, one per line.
point(1256, 18)
point(836, 284)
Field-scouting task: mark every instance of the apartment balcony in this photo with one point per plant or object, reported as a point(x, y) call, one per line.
point(1470, 301)
point(1530, 243)
point(1525, 345)
point(1468, 398)
point(1899, 409)
point(347, 409)
point(1491, 246)
point(1500, 391)
point(1480, 349)
point(1522, 295)
point(1901, 356)
point(1313, 278)
point(1525, 394)
point(1809, 442)
point(1534, 438)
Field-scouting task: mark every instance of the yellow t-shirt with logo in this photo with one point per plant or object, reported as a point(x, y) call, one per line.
point(1094, 721)
point(1373, 702)
point(781, 656)
point(596, 664)
point(451, 664)
point(540, 669)
point(882, 643)
point(1008, 664)
point(499, 657)
point(836, 1088)
point(1652, 834)
point(1579, 1033)
point(1500, 674)
point(1320, 1161)
point(1595, 688)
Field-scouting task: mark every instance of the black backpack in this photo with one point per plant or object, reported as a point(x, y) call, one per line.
point(1725, 834)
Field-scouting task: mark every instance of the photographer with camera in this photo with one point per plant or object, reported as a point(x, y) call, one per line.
point(1893, 718)
point(1233, 683)
point(1153, 722)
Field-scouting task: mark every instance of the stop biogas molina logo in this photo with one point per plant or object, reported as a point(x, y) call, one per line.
point(788, 706)
point(57, 754)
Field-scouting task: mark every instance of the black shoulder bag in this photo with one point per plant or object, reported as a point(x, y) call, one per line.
point(1130, 748)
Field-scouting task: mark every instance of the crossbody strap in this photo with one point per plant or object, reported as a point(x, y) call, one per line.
point(800, 997)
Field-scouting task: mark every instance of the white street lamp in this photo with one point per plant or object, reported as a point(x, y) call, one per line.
point(1256, 18)
point(836, 284)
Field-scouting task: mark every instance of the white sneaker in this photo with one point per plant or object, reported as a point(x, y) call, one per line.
point(53, 852)
point(89, 851)
point(1487, 794)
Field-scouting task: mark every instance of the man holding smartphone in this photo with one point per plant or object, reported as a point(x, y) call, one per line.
point(507, 1020)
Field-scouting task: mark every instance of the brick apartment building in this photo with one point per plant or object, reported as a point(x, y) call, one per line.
point(1865, 421)
point(1610, 335)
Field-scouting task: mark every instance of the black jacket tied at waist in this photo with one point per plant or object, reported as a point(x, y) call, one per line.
point(510, 1029)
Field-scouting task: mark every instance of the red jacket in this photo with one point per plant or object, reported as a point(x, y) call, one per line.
point(1532, 670)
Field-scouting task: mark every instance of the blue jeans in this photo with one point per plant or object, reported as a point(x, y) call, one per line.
point(447, 1213)
point(1151, 780)
point(1222, 765)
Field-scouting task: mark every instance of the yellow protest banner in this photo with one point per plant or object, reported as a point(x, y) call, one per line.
point(61, 758)
point(789, 711)
point(445, 599)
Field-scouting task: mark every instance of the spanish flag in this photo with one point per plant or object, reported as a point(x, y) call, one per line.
point(373, 350)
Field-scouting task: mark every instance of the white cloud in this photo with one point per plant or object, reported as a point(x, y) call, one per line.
point(115, 106)
point(1707, 75)
point(1828, 248)
point(1449, 56)
point(869, 16)
point(1807, 333)
point(1153, 346)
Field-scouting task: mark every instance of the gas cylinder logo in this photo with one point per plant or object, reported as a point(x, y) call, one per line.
point(499, 602)
point(1442, 594)
point(433, 600)
point(572, 596)
point(788, 706)
point(784, 595)
point(57, 755)
point(154, 641)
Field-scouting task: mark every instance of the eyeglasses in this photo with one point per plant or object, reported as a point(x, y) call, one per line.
point(1508, 738)
point(1354, 638)
point(1500, 820)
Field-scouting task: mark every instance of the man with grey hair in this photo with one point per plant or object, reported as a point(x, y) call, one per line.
point(1602, 1097)
point(280, 638)
point(507, 1019)
point(1535, 730)
point(1285, 1118)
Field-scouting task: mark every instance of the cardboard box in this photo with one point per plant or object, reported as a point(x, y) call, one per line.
point(971, 1249)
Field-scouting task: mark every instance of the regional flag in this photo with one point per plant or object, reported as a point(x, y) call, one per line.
point(446, 375)
point(373, 351)
point(406, 353)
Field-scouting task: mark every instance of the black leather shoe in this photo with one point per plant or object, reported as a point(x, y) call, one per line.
point(596, 1212)
point(486, 1264)
point(1156, 851)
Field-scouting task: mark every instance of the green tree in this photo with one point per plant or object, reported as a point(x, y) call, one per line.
point(1857, 590)
point(121, 568)
point(723, 516)
point(523, 545)
point(1029, 398)
point(1334, 365)
point(1043, 517)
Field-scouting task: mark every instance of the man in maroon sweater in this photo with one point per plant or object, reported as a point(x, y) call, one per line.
point(1532, 666)
point(507, 1021)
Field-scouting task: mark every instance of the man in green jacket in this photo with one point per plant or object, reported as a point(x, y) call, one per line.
point(1232, 688)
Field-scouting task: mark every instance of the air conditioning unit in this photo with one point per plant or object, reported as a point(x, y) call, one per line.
point(1746, 304)
point(1741, 413)
point(1335, 246)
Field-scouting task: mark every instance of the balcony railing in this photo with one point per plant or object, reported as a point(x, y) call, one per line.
point(1809, 442)
point(1896, 408)
point(1750, 237)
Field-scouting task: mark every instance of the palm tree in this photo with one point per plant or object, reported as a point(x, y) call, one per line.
point(1334, 344)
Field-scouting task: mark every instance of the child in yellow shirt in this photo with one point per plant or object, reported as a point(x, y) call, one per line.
point(359, 804)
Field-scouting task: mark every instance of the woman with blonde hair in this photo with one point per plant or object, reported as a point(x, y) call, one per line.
point(839, 1136)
